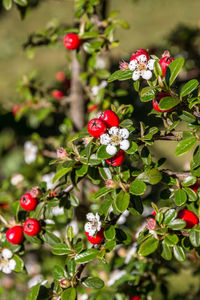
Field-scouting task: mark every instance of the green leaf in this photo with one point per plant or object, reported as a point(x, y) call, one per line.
point(21, 2)
point(187, 117)
point(122, 201)
point(170, 215)
point(158, 69)
point(102, 154)
point(137, 187)
point(127, 123)
point(102, 192)
point(50, 238)
point(36, 214)
point(168, 103)
point(7, 4)
point(34, 292)
point(71, 267)
point(135, 206)
point(149, 246)
point(180, 197)
point(110, 245)
point(19, 263)
point(61, 173)
point(61, 249)
point(69, 294)
point(109, 233)
point(93, 283)
point(171, 239)
point(192, 196)
point(148, 90)
point(189, 180)
point(177, 224)
point(185, 145)
point(196, 157)
point(133, 148)
point(166, 252)
point(173, 70)
point(189, 87)
point(82, 171)
point(151, 176)
point(105, 173)
point(179, 253)
point(59, 272)
point(120, 75)
point(86, 256)
point(195, 238)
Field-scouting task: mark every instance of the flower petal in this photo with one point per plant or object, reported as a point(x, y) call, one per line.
point(113, 130)
point(124, 133)
point(142, 58)
point(147, 74)
point(6, 253)
point(12, 264)
point(124, 145)
point(136, 75)
point(150, 64)
point(133, 64)
point(90, 217)
point(112, 150)
point(104, 139)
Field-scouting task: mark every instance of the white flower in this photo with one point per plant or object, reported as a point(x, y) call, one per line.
point(141, 67)
point(95, 89)
point(114, 276)
point(48, 178)
point(94, 224)
point(115, 137)
point(16, 179)
point(131, 251)
point(123, 217)
point(7, 265)
point(30, 152)
point(100, 62)
point(57, 211)
point(82, 297)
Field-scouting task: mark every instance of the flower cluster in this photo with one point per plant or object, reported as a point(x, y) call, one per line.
point(30, 152)
point(94, 224)
point(7, 263)
point(115, 138)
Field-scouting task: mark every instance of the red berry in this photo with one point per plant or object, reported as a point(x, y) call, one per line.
point(188, 216)
point(165, 62)
point(31, 227)
point(97, 239)
point(72, 41)
point(195, 187)
point(4, 205)
point(156, 102)
point(57, 94)
point(96, 127)
point(110, 118)
point(135, 298)
point(117, 159)
point(28, 202)
point(139, 52)
point(154, 213)
point(15, 235)
point(93, 108)
point(60, 76)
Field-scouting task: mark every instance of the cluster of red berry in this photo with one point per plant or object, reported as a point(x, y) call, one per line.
point(98, 126)
point(30, 227)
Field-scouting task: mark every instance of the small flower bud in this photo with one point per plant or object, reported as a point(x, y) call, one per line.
point(35, 192)
point(111, 184)
point(166, 53)
point(61, 153)
point(151, 224)
point(64, 283)
point(123, 65)
point(86, 140)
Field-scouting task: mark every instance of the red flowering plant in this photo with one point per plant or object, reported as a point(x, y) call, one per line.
point(88, 203)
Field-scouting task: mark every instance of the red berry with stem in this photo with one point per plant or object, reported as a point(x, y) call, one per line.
point(139, 52)
point(72, 41)
point(165, 62)
point(189, 217)
point(156, 102)
point(110, 118)
point(96, 127)
point(96, 239)
point(117, 159)
point(57, 94)
point(15, 235)
point(31, 227)
point(195, 187)
point(28, 202)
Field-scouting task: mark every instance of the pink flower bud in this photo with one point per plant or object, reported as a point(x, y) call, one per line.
point(111, 184)
point(35, 192)
point(61, 153)
point(123, 65)
point(150, 223)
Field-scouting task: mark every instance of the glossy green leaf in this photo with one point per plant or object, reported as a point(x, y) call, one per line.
point(34, 292)
point(7, 4)
point(195, 238)
point(122, 201)
point(157, 69)
point(149, 246)
point(170, 215)
point(50, 238)
point(59, 272)
point(69, 294)
point(61, 249)
point(171, 239)
point(173, 70)
point(102, 192)
point(61, 173)
point(137, 187)
point(179, 253)
point(189, 87)
point(168, 103)
point(192, 196)
point(187, 117)
point(189, 180)
point(185, 145)
point(177, 224)
point(109, 233)
point(180, 197)
point(133, 148)
point(86, 256)
point(151, 176)
point(21, 2)
point(102, 154)
point(19, 263)
point(120, 75)
point(166, 251)
point(93, 283)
